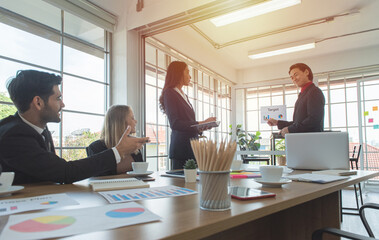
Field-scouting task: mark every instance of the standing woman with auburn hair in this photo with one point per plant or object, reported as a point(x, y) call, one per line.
point(181, 115)
point(117, 119)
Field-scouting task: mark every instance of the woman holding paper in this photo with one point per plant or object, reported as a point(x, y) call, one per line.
point(117, 119)
point(181, 115)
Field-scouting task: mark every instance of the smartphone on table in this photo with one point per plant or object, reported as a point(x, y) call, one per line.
point(245, 193)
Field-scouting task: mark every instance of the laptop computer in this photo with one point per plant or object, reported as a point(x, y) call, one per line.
point(317, 151)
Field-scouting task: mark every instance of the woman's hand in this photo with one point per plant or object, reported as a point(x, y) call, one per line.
point(211, 119)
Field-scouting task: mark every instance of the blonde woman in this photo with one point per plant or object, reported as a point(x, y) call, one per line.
point(117, 119)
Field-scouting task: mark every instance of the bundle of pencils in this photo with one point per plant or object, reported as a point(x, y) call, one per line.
point(209, 158)
point(214, 165)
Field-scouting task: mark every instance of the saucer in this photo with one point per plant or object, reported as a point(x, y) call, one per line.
point(132, 173)
point(272, 184)
point(12, 189)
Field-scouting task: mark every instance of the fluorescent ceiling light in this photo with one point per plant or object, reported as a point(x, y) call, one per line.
point(253, 11)
point(282, 49)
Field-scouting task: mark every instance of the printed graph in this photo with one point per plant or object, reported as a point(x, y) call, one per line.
point(43, 224)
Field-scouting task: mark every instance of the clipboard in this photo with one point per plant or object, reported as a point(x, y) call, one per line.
point(206, 125)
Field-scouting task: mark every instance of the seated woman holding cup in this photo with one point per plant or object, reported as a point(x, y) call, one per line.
point(117, 119)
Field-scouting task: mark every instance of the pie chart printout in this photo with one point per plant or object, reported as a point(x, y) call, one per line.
point(43, 224)
point(125, 212)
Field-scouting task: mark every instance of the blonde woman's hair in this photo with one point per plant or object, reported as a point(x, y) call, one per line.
point(114, 125)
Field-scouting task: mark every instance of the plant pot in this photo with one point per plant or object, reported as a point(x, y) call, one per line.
point(281, 160)
point(190, 175)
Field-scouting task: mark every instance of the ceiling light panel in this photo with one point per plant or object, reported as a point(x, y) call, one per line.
point(253, 11)
point(282, 49)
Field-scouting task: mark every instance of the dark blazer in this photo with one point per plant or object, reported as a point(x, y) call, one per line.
point(23, 151)
point(308, 115)
point(99, 146)
point(180, 116)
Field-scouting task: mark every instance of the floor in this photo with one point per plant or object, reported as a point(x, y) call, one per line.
point(353, 223)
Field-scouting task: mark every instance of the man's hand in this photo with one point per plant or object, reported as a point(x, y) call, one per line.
point(284, 131)
point(272, 122)
point(127, 145)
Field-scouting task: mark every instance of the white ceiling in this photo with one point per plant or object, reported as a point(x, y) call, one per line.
point(185, 39)
point(236, 55)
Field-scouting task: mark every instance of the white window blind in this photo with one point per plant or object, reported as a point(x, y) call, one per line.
point(88, 12)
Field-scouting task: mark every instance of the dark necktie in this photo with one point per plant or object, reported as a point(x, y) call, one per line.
point(48, 140)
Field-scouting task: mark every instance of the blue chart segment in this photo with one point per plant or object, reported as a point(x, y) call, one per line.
point(125, 212)
point(142, 194)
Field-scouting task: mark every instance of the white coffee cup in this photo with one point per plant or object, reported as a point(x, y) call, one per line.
point(236, 165)
point(6, 180)
point(140, 167)
point(271, 173)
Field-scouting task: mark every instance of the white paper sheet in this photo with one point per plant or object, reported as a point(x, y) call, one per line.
point(277, 112)
point(54, 224)
point(11, 206)
point(145, 193)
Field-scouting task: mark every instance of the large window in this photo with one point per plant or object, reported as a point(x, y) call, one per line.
point(209, 94)
point(36, 35)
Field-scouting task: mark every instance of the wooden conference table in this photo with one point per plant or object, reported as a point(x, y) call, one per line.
point(297, 210)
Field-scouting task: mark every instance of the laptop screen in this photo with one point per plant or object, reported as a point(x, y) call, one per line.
point(317, 151)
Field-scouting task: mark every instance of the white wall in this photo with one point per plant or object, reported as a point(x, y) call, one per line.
point(118, 63)
point(337, 61)
point(199, 50)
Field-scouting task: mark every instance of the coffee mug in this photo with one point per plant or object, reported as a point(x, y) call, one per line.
point(236, 165)
point(6, 180)
point(271, 173)
point(140, 167)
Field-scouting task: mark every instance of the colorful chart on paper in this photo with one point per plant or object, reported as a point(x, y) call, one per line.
point(43, 224)
point(129, 195)
point(273, 112)
point(12, 206)
point(49, 203)
point(125, 212)
point(55, 224)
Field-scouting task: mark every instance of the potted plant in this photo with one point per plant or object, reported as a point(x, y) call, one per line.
point(246, 142)
point(280, 146)
point(190, 171)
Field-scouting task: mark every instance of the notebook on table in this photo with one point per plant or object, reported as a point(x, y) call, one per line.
point(115, 184)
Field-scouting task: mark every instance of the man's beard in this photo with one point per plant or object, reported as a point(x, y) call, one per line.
point(49, 115)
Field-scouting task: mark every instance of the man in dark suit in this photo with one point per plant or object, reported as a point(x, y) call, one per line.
point(308, 115)
point(26, 145)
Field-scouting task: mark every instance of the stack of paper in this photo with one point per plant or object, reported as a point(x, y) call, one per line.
point(336, 172)
point(244, 175)
point(315, 178)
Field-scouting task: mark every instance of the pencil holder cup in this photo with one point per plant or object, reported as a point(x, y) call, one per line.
point(214, 190)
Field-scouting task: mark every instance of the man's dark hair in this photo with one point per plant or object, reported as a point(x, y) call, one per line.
point(302, 68)
point(30, 83)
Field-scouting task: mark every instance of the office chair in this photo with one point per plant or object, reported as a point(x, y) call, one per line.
point(317, 235)
point(354, 159)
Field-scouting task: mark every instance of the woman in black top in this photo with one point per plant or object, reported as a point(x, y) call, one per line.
point(181, 115)
point(117, 119)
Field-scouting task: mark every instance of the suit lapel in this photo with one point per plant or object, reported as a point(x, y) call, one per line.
point(188, 108)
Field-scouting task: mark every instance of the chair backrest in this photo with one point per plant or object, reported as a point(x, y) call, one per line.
point(358, 153)
point(355, 157)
